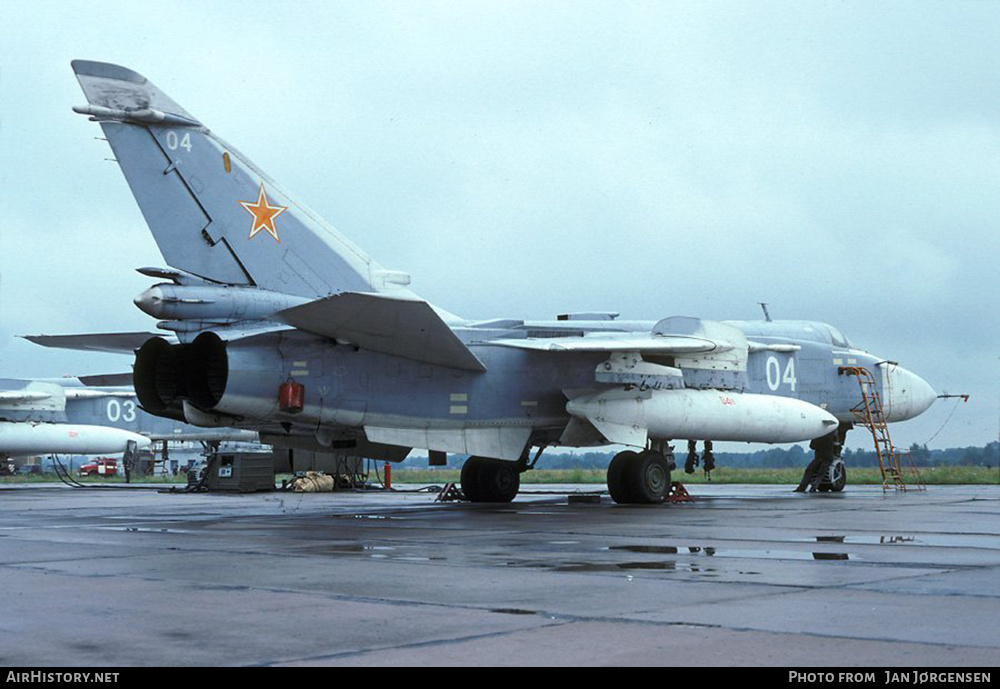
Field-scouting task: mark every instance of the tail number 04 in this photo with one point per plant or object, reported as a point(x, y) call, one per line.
point(173, 141)
point(121, 411)
point(774, 375)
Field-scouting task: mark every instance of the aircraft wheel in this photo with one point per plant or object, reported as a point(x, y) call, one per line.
point(836, 477)
point(498, 481)
point(617, 470)
point(490, 480)
point(470, 479)
point(649, 478)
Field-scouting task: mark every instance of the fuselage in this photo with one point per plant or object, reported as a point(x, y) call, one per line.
point(524, 391)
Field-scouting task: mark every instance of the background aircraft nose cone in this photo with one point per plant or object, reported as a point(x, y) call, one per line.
point(906, 394)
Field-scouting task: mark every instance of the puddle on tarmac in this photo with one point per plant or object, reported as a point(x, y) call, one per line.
point(143, 529)
point(936, 540)
point(349, 548)
point(733, 552)
point(665, 549)
point(374, 517)
point(513, 611)
point(678, 565)
point(371, 550)
point(866, 540)
point(663, 566)
point(137, 518)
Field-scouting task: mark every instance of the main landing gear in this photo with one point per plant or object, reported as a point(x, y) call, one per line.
point(490, 480)
point(640, 477)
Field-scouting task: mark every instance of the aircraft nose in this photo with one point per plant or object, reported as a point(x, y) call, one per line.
point(905, 393)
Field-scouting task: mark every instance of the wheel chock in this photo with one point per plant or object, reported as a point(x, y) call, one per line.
point(678, 493)
point(450, 493)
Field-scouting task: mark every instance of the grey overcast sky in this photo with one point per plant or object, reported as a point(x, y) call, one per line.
point(839, 160)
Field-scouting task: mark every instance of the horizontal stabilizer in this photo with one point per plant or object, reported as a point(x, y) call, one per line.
point(115, 343)
point(406, 328)
point(106, 379)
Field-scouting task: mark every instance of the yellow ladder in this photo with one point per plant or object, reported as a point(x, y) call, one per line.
point(869, 413)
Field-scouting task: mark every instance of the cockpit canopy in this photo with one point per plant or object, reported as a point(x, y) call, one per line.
point(836, 337)
point(809, 331)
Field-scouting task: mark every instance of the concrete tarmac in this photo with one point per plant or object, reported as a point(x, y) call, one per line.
point(745, 575)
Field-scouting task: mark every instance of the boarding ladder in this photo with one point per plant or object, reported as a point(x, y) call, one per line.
point(869, 413)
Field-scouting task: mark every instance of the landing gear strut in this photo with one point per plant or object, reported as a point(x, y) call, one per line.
point(707, 459)
point(640, 477)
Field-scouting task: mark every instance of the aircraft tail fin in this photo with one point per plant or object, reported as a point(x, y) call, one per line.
point(212, 212)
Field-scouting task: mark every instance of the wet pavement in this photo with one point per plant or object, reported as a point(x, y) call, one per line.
point(744, 575)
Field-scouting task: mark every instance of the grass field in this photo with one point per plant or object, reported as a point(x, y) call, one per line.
point(932, 475)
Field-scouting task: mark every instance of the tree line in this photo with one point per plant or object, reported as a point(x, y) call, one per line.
point(770, 458)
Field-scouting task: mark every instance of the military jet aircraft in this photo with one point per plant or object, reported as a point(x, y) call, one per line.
point(42, 417)
point(84, 416)
point(282, 325)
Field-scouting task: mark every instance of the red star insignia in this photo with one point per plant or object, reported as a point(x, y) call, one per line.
point(263, 214)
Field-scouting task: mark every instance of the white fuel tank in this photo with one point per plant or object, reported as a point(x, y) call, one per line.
point(19, 439)
point(701, 415)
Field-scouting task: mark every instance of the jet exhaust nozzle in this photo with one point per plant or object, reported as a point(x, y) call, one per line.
point(166, 375)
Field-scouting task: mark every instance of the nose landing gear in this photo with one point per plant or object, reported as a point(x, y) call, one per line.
point(835, 478)
point(827, 471)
